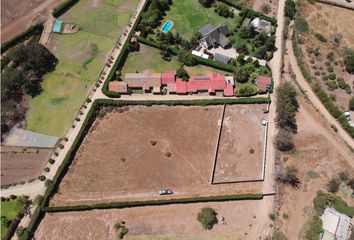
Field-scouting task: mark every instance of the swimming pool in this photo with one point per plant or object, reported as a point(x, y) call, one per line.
point(167, 26)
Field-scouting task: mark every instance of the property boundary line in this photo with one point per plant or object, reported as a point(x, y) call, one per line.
point(217, 145)
point(261, 179)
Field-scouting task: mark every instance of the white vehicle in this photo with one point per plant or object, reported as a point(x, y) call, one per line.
point(165, 192)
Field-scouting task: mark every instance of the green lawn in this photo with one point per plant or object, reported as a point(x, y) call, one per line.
point(137, 61)
point(8, 210)
point(189, 16)
point(81, 59)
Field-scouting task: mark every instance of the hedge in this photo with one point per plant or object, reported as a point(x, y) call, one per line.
point(345, 124)
point(214, 64)
point(154, 202)
point(328, 102)
point(300, 62)
point(65, 6)
point(34, 30)
point(12, 227)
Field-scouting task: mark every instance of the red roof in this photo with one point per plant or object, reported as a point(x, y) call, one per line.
point(211, 83)
point(263, 83)
point(168, 77)
point(116, 86)
point(229, 91)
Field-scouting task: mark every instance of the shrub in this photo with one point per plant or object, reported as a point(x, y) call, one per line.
point(272, 216)
point(332, 85)
point(333, 185)
point(38, 200)
point(328, 102)
point(343, 176)
point(13, 196)
point(351, 104)
point(314, 229)
point(284, 140)
point(285, 216)
point(320, 37)
point(323, 200)
point(206, 3)
point(289, 177)
point(349, 63)
point(290, 9)
point(301, 24)
point(42, 178)
point(51, 161)
point(46, 169)
point(207, 217)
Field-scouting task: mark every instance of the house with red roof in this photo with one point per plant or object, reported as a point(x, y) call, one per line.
point(168, 77)
point(210, 83)
point(263, 83)
point(146, 80)
point(118, 86)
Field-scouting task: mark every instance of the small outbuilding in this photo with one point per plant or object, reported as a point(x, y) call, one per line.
point(118, 86)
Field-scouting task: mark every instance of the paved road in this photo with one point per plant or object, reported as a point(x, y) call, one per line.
point(305, 86)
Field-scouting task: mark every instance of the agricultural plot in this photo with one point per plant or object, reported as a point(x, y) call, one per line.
point(22, 164)
point(81, 57)
point(139, 150)
point(169, 222)
point(240, 153)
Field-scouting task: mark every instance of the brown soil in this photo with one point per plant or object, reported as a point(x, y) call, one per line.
point(257, 4)
point(320, 151)
point(242, 132)
point(327, 20)
point(244, 220)
point(18, 15)
point(22, 164)
point(118, 159)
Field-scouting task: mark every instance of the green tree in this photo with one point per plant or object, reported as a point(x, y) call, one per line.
point(351, 104)
point(314, 229)
point(207, 217)
point(333, 185)
point(290, 9)
point(349, 63)
point(182, 73)
point(243, 73)
point(206, 3)
point(286, 106)
point(186, 58)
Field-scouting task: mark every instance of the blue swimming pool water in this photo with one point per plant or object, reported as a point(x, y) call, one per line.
point(167, 26)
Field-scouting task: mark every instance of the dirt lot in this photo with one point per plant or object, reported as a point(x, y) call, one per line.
point(320, 156)
point(244, 220)
point(257, 5)
point(242, 132)
point(18, 15)
point(134, 151)
point(22, 164)
point(328, 20)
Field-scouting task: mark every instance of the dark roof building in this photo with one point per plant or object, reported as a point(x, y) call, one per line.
point(214, 36)
point(221, 58)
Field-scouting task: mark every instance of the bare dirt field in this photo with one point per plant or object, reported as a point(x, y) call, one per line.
point(18, 15)
point(244, 220)
point(241, 144)
point(320, 156)
point(133, 152)
point(258, 5)
point(22, 164)
point(329, 21)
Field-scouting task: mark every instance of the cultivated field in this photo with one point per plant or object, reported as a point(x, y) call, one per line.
point(241, 144)
point(244, 220)
point(133, 152)
point(22, 164)
point(325, 58)
point(81, 59)
point(137, 61)
point(320, 156)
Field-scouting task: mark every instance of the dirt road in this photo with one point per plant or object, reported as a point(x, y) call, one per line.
point(19, 24)
point(305, 87)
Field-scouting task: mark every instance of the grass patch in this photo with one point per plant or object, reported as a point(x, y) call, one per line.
point(189, 16)
point(8, 212)
point(81, 59)
point(313, 174)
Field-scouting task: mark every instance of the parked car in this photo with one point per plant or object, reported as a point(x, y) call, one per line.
point(165, 192)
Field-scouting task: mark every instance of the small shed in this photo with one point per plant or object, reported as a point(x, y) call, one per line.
point(221, 58)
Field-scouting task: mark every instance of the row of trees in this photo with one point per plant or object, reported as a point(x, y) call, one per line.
point(223, 10)
point(286, 108)
point(23, 75)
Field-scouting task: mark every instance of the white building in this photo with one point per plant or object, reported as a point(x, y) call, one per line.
point(336, 226)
